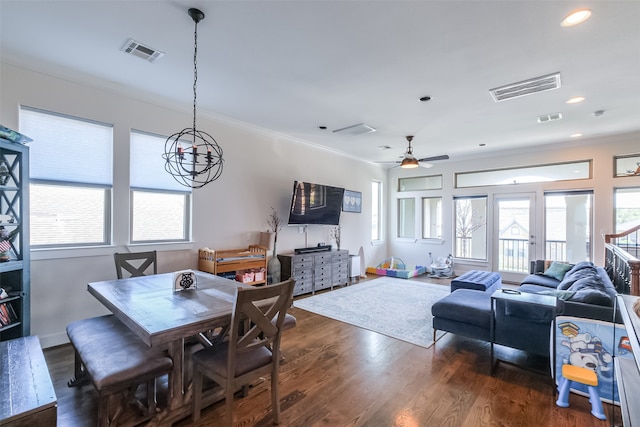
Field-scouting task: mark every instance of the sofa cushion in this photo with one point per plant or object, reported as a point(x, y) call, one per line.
point(540, 280)
point(465, 305)
point(590, 291)
point(557, 270)
point(588, 284)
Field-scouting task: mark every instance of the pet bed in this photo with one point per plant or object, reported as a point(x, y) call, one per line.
point(395, 267)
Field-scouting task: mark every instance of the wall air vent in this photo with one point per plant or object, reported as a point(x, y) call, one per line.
point(141, 51)
point(526, 87)
point(358, 129)
point(549, 117)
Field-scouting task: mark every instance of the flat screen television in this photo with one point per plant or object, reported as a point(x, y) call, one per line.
point(315, 204)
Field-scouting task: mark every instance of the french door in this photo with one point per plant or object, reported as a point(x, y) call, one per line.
point(514, 235)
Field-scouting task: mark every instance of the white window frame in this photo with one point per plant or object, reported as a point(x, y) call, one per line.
point(377, 218)
point(53, 178)
point(164, 186)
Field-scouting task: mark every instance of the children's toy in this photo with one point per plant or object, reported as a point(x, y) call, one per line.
point(442, 268)
point(395, 267)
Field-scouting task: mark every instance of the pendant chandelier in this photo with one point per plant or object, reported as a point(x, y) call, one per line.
point(193, 157)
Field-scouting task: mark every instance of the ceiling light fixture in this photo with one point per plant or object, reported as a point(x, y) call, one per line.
point(576, 17)
point(575, 100)
point(576, 135)
point(409, 161)
point(201, 161)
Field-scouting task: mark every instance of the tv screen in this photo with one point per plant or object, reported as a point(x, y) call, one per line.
point(315, 204)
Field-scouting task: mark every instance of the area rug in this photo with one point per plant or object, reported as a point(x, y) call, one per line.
point(398, 308)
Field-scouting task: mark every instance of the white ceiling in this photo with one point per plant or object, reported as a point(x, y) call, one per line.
point(292, 66)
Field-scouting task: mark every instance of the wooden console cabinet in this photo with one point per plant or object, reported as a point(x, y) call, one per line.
point(314, 271)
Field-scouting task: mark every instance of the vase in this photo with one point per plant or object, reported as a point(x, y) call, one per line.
point(273, 267)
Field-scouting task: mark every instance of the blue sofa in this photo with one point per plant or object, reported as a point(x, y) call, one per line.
point(583, 290)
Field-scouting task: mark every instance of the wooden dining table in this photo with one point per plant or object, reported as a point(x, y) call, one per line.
point(163, 317)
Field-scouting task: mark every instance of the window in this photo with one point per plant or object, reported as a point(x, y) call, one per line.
point(627, 165)
point(71, 171)
point(432, 218)
point(420, 183)
point(471, 227)
point(527, 174)
point(376, 211)
point(152, 187)
point(568, 226)
point(627, 211)
point(407, 218)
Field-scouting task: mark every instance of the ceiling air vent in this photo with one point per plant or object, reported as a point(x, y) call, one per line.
point(141, 51)
point(549, 117)
point(358, 129)
point(526, 87)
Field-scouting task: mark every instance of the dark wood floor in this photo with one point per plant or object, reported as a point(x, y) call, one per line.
point(336, 374)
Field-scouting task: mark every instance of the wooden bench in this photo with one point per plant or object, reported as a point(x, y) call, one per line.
point(27, 397)
point(116, 361)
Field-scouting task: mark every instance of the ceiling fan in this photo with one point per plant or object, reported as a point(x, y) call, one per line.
point(410, 161)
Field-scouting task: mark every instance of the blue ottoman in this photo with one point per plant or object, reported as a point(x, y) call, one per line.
point(486, 281)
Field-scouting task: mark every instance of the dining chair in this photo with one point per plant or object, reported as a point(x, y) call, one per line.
point(252, 350)
point(136, 264)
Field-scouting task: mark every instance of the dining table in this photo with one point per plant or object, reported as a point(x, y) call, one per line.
point(166, 318)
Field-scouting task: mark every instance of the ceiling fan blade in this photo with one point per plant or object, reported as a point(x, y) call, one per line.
point(431, 159)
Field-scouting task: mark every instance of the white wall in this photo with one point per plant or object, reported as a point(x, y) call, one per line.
point(259, 171)
point(601, 150)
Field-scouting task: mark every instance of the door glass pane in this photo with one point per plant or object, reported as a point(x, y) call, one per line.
point(568, 227)
point(513, 241)
point(471, 228)
point(407, 218)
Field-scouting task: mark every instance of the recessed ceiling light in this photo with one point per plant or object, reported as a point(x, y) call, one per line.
point(322, 127)
point(576, 17)
point(425, 98)
point(481, 145)
point(576, 135)
point(575, 100)
point(384, 147)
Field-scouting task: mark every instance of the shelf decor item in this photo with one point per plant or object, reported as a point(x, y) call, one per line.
point(273, 266)
point(334, 233)
point(6, 238)
point(193, 157)
point(13, 136)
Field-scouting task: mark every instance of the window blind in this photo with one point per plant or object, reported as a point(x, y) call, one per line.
point(68, 149)
point(147, 165)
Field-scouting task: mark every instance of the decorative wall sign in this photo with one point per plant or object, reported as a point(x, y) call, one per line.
point(352, 201)
point(183, 280)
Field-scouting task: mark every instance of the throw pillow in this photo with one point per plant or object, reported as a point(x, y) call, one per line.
point(557, 270)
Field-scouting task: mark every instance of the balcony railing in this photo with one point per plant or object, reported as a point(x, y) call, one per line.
point(513, 254)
